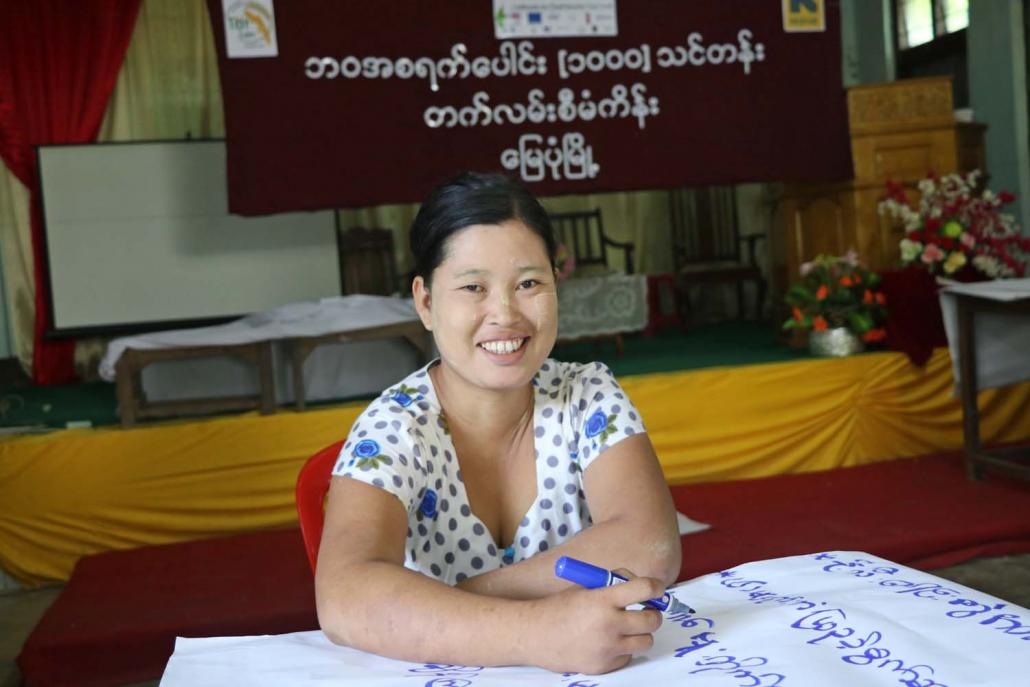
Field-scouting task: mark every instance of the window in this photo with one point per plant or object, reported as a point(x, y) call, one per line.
point(922, 21)
point(930, 36)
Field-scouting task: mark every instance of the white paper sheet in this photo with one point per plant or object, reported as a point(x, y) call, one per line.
point(840, 618)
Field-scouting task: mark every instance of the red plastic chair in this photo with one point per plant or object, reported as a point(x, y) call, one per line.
point(312, 485)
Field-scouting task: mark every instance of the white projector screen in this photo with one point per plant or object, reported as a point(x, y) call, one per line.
point(139, 238)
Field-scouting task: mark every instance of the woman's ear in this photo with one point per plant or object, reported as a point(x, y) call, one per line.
point(423, 301)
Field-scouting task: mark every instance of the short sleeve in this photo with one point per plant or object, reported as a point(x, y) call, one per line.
point(606, 415)
point(383, 450)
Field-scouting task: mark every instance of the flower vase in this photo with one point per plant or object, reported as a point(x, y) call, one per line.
point(834, 343)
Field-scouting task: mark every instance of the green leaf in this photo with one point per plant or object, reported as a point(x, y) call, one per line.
point(860, 322)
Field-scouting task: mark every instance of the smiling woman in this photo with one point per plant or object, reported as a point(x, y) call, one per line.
point(458, 489)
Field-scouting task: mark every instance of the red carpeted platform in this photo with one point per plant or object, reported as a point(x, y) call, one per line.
point(922, 512)
point(117, 619)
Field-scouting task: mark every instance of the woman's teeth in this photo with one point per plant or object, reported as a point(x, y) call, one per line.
point(503, 347)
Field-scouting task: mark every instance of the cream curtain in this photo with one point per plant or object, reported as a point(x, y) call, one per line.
point(169, 88)
point(16, 251)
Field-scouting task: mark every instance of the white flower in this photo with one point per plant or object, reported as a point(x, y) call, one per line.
point(910, 250)
point(988, 265)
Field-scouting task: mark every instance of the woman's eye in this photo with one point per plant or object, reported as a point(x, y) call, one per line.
point(472, 288)
point(528, 283)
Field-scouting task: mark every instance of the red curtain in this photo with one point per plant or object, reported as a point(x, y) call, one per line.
point(58, 65)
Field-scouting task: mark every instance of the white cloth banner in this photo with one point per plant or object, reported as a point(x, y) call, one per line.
point(840, 618)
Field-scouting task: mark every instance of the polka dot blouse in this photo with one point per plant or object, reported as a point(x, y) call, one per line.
point(401, 444)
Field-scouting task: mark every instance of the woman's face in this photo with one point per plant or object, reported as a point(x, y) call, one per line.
point(492, 308)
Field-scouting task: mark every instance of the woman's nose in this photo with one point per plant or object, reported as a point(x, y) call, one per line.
point(502, 308)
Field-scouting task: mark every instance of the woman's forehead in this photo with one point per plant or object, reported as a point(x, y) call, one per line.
point(508, 243)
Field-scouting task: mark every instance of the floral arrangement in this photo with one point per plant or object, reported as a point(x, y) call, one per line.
point(565, 261)
point(958, 231)
point(838, 292)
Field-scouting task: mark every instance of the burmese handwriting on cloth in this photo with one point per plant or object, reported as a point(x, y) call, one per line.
point(827, 618)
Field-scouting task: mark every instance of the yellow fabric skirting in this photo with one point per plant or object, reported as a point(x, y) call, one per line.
point(77, 492)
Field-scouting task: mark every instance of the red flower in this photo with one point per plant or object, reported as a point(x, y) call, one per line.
point(932, 224)
point(845, 280)
point(947, 243)
point(867, 297)
point(822, 292)
point(1006, 197)
point(881, 298)
point(818, 323)
point(797, 314)
point(877, 334)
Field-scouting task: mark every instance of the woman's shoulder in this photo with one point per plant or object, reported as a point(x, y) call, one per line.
point(555, 373)
point(406, 405)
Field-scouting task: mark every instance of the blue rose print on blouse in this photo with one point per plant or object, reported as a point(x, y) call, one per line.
point(405, 395)
point(600, 427)
point(428, 505)
point(367, 455)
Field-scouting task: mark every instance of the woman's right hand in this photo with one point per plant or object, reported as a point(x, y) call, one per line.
point(590, 631)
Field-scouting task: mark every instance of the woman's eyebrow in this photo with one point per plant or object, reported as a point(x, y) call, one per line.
point(478, 272)
point(471, 272)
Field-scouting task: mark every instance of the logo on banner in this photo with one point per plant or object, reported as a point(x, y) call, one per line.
point(804, 15)
point(249, 28)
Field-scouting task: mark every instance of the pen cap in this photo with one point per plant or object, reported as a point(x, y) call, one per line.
point(583, 574)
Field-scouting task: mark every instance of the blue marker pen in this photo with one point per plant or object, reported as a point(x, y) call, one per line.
point(592, 577)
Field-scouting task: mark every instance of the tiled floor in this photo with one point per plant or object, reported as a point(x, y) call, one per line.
point(1007, 577)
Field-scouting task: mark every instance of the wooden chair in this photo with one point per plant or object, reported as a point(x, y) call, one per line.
point(366, 261)
point(707, 244)
point(312, 485)
point(583, 235)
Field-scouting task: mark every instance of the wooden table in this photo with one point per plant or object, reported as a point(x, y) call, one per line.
point(132, 401)
point(301, 347)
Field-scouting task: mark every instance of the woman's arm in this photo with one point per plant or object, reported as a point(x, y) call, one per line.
point(634, 527)
point(367, 600)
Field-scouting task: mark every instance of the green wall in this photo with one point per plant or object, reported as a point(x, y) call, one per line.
point(998, 95)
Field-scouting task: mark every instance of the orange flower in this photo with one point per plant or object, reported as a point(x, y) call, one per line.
point(881, 298)
point(875, 334)
point(867, 297)
point(845, 281)
point(822, 293)
point(818, 323)
point(797, 314)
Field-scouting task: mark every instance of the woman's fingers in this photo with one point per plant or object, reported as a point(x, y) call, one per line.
point(636, 590)
point(641, 622)
point(637, 644)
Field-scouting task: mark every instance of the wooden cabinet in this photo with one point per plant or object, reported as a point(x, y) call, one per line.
point(899, 131)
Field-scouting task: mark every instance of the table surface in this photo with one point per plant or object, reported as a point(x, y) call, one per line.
point(829, 618)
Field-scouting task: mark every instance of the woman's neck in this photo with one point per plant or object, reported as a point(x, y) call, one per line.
point(486, 414)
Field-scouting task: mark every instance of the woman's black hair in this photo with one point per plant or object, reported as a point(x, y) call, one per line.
point(468, 199)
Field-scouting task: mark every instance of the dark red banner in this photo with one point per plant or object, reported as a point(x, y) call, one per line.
point(368, 102)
